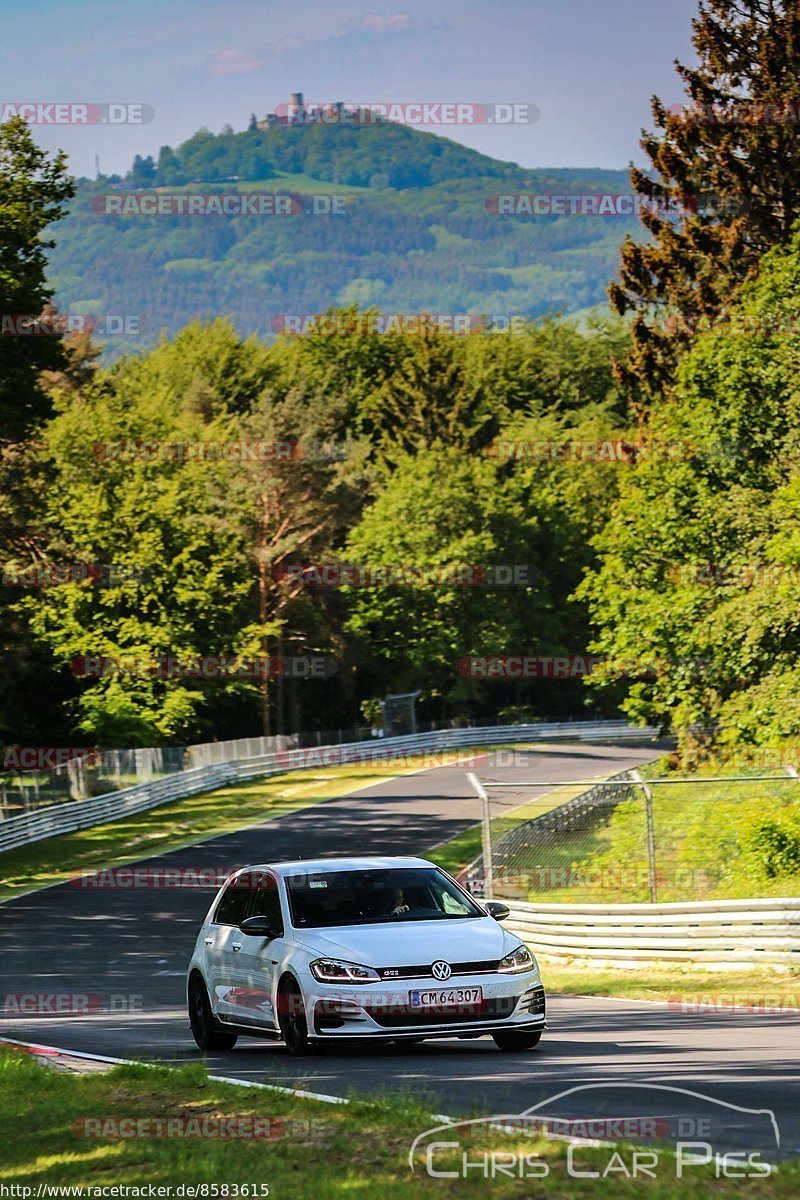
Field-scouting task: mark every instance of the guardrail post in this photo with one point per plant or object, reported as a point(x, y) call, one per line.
point(486, 822)
point(651, 834)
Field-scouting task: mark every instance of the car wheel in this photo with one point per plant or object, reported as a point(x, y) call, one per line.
point(292, 1018)
point(205, 1030)
point(517, 1041)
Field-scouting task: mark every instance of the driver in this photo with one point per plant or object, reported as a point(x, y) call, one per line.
point(395, 903)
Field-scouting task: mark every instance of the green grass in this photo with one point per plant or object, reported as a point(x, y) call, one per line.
point(319, 1150)
point(186, 822)
point(457, 853)
point(282, 181)
point(460, 851)
point(740, 987)
point(705, 848)
point(197, 818)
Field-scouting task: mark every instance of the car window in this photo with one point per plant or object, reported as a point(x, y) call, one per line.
point(330, 898)
point(232, 908)
point(267, 903)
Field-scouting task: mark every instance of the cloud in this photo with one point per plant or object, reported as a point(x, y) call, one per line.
point(376, 24)
point(292, 42)
point(379, 23)
point(233, 62)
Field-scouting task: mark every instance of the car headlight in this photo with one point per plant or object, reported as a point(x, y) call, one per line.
point(520, 959)
point(333, 970)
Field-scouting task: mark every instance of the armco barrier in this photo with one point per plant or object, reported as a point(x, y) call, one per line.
point(82, 814)
point(709, 934)
point(600, 798)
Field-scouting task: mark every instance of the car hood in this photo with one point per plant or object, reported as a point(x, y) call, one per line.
point(412, 944)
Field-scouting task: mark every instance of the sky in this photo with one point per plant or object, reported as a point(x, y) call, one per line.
point(588, 66)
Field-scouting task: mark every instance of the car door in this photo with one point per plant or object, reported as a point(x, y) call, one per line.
point(258, 963)
point(224, 943)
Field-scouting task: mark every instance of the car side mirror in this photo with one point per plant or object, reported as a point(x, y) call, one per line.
point(497, 910)
point(258, 927)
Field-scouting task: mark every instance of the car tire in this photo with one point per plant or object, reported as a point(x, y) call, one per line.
point(517, 1041)
point(205, 1030)
point(292, 1018)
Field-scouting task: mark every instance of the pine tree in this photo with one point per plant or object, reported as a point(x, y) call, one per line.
point(728, 165)
point(33, 188)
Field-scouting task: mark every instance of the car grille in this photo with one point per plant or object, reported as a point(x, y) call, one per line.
point(425, 972)
point(533, 1001)
point(397, 1016)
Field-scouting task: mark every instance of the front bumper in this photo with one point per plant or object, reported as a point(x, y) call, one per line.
point(509, 1002)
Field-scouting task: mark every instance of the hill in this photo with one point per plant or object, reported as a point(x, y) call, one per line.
point(419, 231)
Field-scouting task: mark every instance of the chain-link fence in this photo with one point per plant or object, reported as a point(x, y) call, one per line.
point(634, 839)
point(91, 774)
point(94, 772)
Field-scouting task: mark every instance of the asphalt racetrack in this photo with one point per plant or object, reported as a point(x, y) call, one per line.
point(127, 949)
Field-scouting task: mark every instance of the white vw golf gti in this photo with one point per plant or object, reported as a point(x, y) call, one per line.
point(380, 949)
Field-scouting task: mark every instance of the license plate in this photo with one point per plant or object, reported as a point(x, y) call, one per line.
point(447, 998)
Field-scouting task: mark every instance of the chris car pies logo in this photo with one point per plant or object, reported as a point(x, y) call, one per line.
point(634, 1131)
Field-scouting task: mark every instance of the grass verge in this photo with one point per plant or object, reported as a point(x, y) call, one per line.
point(459, 852)
point(306, 1148)
point(742, 991)
point(188, 821)
point(714, 840)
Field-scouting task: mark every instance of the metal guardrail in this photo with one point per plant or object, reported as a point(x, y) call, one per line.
point(89, 772)
point(599, 799)
point(710, 934)
point(83, 814)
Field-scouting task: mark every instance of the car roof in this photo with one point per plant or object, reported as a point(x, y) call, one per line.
point(298, 866)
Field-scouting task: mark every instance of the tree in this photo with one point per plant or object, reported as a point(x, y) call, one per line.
point(729, 165)
point(700, 561)
point(292, 506)
point(143, 171)
point(438, 393)
point(439, 511)
point(33, 189)
point(141, 491)
point(168, 171)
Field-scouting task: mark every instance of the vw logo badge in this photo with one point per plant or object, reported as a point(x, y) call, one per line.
point(441, 970)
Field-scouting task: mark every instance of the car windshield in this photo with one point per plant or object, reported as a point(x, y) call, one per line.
point(331, 898)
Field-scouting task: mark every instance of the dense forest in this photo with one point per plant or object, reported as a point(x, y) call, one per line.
point(418, 231)
point(400, 509)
